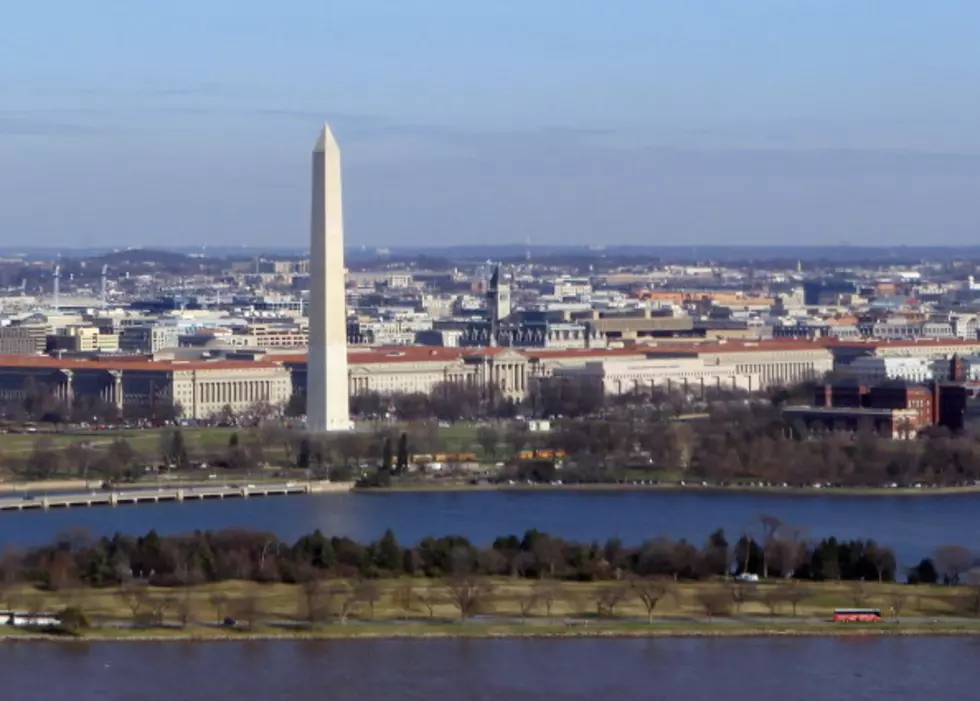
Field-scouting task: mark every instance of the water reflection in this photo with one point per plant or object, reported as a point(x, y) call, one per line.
point(764, 669)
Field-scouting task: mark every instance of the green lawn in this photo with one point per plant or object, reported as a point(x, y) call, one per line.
point(459, 437)
point(205, 443)
point(143, 440)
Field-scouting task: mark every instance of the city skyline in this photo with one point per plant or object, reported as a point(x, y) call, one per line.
point(703, 124)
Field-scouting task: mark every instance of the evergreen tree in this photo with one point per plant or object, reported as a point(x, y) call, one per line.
point(386, 455)
point(317, 550)
point(303, 454)
point(388, 554)
point(716, 554)
point(233, 441)
point(174, 449)
point(402, 463)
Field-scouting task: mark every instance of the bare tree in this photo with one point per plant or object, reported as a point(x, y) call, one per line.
point(11, 564)
point(247, 607)
point(714, 602)
point(469, 593)
point(315, 604)
point(771, 598)
point(136, 596)
point(786, 551)
point(881, 559)
point(405, 597)
point(607, 597)
point(742, 593)
point(650, 591)
point(429, 597)
point(548, 591)
point(367, 591)
point(770, 526)
point(185, 608)
point(346, 600)
point(951, 562)
point(158, 606)
point(528, 599)
point(795, 594)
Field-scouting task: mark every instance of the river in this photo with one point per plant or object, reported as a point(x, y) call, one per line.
point(912, 525)
point(750, 669)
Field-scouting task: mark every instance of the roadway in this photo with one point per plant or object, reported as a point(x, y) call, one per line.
point(159, 494)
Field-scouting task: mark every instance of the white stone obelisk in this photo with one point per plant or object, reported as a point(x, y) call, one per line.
point(326, 370)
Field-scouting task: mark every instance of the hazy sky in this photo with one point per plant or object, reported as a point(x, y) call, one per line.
point(625, 121)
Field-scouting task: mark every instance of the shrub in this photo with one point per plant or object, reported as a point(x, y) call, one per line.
point(72, 620)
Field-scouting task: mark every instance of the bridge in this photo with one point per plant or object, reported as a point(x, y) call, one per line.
point(152, 496)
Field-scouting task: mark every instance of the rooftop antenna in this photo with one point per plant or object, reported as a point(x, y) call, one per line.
point(57, 286)
point(105, 269)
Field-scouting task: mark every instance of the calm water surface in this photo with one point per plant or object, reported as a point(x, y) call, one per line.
point(511, 670)
point(913, 525)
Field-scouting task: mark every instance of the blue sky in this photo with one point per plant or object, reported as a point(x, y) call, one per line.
point(703, 121)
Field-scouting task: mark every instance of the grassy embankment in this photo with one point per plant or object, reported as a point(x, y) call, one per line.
point(143, 441)
point(279, 612)
point(460, 437)
point(201, 444)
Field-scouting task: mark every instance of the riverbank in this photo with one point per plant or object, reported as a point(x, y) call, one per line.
point(531, 629)
point(75, 485)
point(464, 486)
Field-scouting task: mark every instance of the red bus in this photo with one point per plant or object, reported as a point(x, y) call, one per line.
point(856, 615)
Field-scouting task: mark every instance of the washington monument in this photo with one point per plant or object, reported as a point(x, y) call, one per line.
point(326, 369)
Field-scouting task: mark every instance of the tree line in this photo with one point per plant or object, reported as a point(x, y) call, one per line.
point(735, 441)
point(719, 437)
point(732, 444)
point(775, 551)
point(337, 578)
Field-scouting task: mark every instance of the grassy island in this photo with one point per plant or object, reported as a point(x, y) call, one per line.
point(239, 584)
point(411, 609)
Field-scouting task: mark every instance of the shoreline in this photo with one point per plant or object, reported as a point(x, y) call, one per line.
point(64, 487)
point(457, 487)
point(470, 631)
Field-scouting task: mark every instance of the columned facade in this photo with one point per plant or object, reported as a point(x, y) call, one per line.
point(202, 389)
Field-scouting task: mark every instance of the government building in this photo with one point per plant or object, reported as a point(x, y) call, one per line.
point(200, 388)
point(206, 382)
